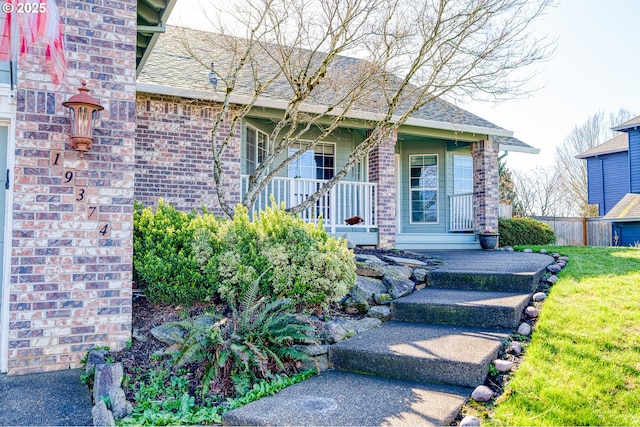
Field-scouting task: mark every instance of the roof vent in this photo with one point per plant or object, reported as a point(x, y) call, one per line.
point(213, 79)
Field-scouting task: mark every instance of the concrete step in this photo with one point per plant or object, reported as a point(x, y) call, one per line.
point(458, 355)
point(478, 281)
point(482, 309)
point(337, 398)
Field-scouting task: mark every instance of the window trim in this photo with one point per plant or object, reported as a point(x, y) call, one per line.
point(256, 153)
point(437, 190)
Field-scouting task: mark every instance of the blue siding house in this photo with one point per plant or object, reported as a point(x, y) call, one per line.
point(613, 174)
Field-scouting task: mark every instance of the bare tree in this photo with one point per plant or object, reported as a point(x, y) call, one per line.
point(594, 131)
point(413, 53)
point(538, 193)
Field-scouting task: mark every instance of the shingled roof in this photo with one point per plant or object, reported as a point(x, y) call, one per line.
point(618, 144)
point(172, 70)
point(628, 125)
point(627, 209)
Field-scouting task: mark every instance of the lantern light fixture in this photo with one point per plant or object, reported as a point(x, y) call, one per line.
point(84, 111)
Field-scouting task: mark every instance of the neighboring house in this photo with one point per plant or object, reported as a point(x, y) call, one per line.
point(67, 221)
point(613, 175)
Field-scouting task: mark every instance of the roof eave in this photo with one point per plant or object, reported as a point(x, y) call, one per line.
point(361, 115)
point(160, 28)
point(603, 153)
point(519, 149)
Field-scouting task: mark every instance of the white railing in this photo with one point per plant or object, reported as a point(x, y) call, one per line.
point(461, 212)
point(345, 200)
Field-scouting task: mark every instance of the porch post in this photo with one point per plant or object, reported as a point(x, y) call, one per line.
point(382, 171)
point(485, 184)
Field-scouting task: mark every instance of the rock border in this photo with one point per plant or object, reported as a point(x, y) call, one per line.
point(109, 399)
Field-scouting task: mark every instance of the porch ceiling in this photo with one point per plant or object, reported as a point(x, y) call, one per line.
point(152, 21)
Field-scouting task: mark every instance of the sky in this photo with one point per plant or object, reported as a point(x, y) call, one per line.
point(596, 67)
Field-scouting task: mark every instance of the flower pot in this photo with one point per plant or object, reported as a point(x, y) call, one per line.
point(488, 241)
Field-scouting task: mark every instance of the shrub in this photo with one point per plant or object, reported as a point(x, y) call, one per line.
point(525, 231)
point(309, 266)
point(164, 263)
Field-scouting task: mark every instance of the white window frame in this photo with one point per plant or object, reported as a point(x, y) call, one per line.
point(436, 189)
point(301, 146)
point(257, 151)
point(459, 156)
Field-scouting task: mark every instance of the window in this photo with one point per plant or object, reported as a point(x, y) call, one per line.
point(462, 174)
point(256, 148)
point(318, 163)
point(423, 188)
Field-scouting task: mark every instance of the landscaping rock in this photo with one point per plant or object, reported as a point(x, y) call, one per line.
point(137, 334)
point(107, 378)
point(508, 249)
point(528, 251)
point(420, 274)
point(321, 363)
point(339, 329)
point(564, 259)
point(169, 333)
point(101, 415)
point(369, 270)
point(539, 296)
point(409, 262)
point(470, 421)
point(95, 357)
point(312, 350)
point(120, 408)
point(398, 271)
point(555, 255)
point(524, 329)
point(398, 285)
point(552, 279)
point(369, 259)
point(204, 320)
point(554, 268)
point(562, 264)
point(363, 325)
point(383, 299)
point(366, 288)
point(515, 348)
point(502, 365)
point(543, 251)
point(355, 306)
point(482, 393)
point(381, 312)
point(531, 312)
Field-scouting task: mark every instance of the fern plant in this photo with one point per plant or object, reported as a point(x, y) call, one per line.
point(248, 346)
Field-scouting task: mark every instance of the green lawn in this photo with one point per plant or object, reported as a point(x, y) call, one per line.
point(582, 366)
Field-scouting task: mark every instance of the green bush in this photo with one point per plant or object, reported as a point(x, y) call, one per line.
point(183, 258)
point(164, 263)
point(525, 231)
point(309, 266)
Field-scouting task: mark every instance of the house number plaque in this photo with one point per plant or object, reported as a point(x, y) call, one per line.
point(80, 192)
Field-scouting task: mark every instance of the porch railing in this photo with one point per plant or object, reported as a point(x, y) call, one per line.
point(461, 212)
point(345, 200)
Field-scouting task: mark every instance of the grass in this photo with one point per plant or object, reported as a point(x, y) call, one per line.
point(582, 366)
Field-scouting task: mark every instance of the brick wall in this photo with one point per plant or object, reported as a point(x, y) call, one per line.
point(486, 197)
point(382, 171)
point(71, 264)
point(173, 154)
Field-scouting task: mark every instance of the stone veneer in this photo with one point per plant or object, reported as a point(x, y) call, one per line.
point(382, 170)
point(173, 154)
point(486, 197)
point(71, 258)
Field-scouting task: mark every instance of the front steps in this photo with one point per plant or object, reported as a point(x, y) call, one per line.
point(419, 368)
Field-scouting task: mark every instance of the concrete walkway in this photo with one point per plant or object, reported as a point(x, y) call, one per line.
point(421, 367)
point(47, 399)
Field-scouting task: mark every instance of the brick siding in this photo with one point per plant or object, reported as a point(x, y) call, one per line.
point(382, 170)
point(174, 157)
point(486, 197)
point(70, 284)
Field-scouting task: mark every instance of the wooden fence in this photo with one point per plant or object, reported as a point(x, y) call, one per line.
point(574, 231)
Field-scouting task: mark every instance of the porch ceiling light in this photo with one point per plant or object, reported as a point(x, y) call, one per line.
point(84, 111)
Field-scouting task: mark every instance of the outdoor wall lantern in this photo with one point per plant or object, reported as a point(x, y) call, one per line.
point(84, 111)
